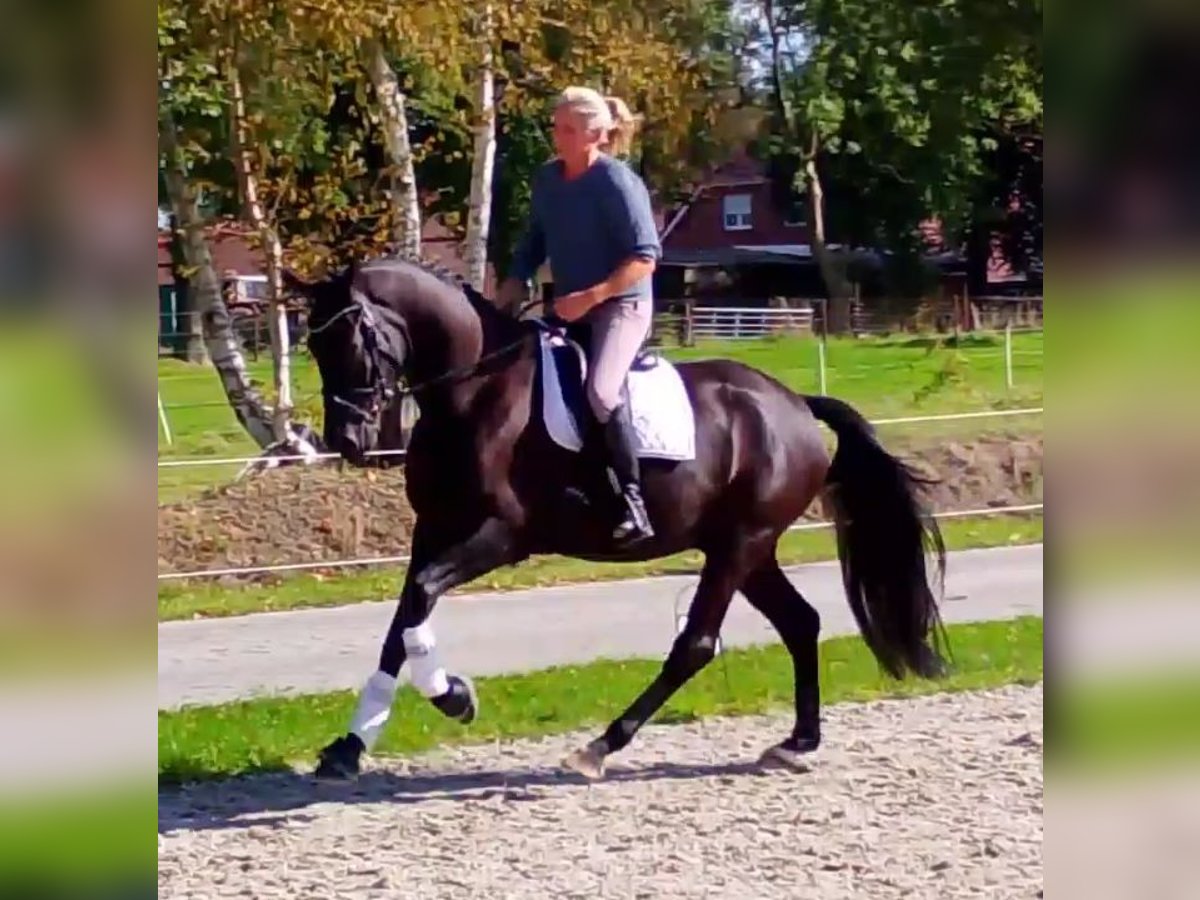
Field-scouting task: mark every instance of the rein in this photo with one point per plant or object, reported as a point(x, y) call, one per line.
point(381, 389)
point(464, 372)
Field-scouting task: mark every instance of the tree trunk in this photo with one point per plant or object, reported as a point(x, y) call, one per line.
point(272, 249)
point(838, 320)
point(193, 328)
point(782, 108)
point(482, 164)
point(205, 292)
point(831, 270)
point(402, 192)
point(188, 310)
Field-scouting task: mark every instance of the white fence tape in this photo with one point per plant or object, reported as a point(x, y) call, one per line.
point(393, 560)
point(949, 417)
point(194, 461)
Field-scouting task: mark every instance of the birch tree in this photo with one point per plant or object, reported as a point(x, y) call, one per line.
point(483, 159)
point(268, 236)
point(224, 349)
point(188, 90)
point(403, 198)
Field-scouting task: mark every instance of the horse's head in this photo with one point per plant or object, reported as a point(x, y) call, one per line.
point(360, 349)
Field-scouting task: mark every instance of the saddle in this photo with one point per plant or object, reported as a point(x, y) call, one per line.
point(663, 418)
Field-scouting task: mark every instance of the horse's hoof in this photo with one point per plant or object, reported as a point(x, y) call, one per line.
point(588, 762)
point(468, 715)
point(792, 755)
point(460, 702)
point(340, 760)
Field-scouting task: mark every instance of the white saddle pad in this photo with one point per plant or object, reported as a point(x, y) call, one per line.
point(662, 414)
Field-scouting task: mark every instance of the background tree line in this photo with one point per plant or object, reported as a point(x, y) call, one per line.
point(332, 128)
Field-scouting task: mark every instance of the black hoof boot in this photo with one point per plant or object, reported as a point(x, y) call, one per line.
point(340, 760)
point(793, 754)
point(803, 743)
point(460, 702)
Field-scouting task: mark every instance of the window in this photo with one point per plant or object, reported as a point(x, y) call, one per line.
point(256, 288)
point(735, 212)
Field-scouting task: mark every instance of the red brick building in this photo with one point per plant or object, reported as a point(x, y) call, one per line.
point(732, 243)
point(733, 207)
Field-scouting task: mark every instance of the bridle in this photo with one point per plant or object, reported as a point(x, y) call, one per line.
point(366, 403)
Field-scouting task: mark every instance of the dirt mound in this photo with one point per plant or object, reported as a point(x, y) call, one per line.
point(993, 471)
point(288, 515)
point(312, 514)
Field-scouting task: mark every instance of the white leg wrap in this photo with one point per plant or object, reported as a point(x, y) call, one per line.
point(374, 707)
point(428, 676)
point(681, 623)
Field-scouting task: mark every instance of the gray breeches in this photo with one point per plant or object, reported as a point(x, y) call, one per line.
point(618, 330)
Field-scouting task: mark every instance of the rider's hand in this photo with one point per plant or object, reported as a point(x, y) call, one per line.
point(575, 305)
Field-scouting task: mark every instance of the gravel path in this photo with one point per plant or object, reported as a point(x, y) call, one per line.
point(936, 797)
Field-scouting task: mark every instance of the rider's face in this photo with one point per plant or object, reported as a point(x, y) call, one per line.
point(572, 136)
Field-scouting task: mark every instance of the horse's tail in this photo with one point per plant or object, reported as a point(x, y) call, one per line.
point(883, 533)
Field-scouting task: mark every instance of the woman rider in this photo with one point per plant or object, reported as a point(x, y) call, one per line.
point(590, 215)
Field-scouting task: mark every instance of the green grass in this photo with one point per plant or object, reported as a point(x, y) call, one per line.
point(273, 734)
point(85, 840)
point(1108, 723)
point(884, 378)
point(64, 434)
point(205, 598)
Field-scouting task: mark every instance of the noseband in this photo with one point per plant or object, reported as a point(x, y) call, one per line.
point(366, 403)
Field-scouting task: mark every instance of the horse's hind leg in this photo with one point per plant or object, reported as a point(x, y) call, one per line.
point(693, 649)
point(771, 593)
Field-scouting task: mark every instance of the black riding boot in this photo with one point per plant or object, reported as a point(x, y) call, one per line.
point(622, 458)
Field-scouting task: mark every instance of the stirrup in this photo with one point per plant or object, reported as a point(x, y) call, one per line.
point(635, 525)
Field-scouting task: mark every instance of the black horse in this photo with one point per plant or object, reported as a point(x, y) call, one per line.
point(489, 488)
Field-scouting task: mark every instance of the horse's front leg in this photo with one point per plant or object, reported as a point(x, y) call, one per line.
point(431, 573)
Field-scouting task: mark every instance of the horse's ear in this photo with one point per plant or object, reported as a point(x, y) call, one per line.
point(295, 285)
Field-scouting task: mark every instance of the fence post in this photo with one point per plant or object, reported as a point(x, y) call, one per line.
point(162, 419)
point(821, 363)
point(280, 353)
point(1008, 354)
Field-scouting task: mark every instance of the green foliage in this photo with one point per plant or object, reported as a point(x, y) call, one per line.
point(913, 110)
point(903, 102)
point(314, 124)
point(522, 146)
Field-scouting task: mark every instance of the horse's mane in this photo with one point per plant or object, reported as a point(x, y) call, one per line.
point(437, 270)
point(488, 311)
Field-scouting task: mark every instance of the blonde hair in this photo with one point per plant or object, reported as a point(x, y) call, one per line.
point(610, 114)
